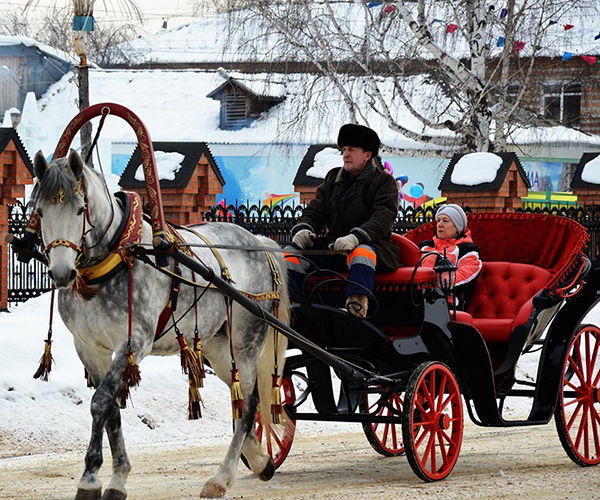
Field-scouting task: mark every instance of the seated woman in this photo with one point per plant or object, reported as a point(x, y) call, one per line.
point(453, 236)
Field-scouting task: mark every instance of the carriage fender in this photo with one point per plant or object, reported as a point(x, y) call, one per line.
point(558, 338)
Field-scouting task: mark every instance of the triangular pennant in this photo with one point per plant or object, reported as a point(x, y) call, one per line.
point(567, 27)
point(590, 59)
point(370, 5)
point(500, 42)
point(503, 13)
point(451, 28)
point(518, 46)
point(389, 9)
point(567, 55)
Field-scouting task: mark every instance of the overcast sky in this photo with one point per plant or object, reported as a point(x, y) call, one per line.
point(155, 11)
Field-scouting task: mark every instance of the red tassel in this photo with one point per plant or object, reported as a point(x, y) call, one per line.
point(198, 353)
point(131, 377)
point(276, 407)
point(45, 363)
point(237, 398)
point(81, 287)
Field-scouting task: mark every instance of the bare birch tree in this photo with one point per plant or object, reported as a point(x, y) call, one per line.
point(467, 52)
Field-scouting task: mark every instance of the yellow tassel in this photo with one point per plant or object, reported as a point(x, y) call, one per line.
point(88, 378)
point(131, 377)
point(189, 362)
point(276, 408)
point(198, 353)
point(237, 398)
point(195, 402)
point(45, 363)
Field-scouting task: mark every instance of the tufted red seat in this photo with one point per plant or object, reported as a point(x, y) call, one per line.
point(502, 298)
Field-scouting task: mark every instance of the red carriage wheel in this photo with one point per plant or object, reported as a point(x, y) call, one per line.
point(577, 413)
point(278, 438)
point(432, 424)
point(385, 438)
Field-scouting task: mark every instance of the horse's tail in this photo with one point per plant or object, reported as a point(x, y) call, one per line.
point(276, 344)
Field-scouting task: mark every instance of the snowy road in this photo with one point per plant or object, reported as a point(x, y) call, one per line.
point(494, 464)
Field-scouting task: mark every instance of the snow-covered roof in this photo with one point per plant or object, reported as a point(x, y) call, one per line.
point(7, 41)
point(222, 37)
point(174, 107)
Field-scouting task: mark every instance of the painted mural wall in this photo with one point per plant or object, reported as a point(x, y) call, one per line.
point(259, 173)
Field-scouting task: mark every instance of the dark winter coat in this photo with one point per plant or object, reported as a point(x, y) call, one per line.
point(366, 208)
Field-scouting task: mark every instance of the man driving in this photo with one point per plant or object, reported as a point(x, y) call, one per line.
point(357, 204)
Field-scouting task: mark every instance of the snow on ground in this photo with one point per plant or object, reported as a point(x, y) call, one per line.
point(46, 416)
point(40, 416)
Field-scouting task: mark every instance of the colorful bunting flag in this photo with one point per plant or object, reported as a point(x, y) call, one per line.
point(435, 20)
point(567, 55)
point(503, 13)
point(590, 59)
point(500, 42)
point(568, 27)
point(370, 5)
point(552, 22)
point(597, 36)
point(451, 28)
point(389, 9)
point(518, 46)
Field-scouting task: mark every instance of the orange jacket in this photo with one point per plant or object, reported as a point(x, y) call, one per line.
point(461, 251)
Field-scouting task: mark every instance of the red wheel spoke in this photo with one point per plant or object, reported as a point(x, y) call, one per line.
point(440, 434)
point(571, 384)
point(595, 420)
point(433, 464)
point(386, 429)
point(448, 438)
point(574, 416)
point(424, 390)
point(395, 442)
point(421, 437)
point(577, 400)
point(576, 369)
point(594, 357)
point(582, 426)
point(441, 394)
point(449, 398)
point(588, 365)
point(428, 446)
point(420, 408)
point(596, 379)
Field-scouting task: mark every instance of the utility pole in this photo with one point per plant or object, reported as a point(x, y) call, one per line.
point(81, 25)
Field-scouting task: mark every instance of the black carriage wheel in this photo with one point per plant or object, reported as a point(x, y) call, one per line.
point(577, 413)
point(278, 438)
point(385, 438)
point(432, 424)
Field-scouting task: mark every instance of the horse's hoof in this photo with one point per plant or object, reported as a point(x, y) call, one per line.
point(88, 494)
point(213, 490)
point(111, 494)
point(268, 471)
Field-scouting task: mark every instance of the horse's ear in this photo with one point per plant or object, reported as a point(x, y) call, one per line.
point(75, 163)
point(40, 165)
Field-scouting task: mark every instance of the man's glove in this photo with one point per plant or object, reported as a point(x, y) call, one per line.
point(348, 243)
point(304, 238)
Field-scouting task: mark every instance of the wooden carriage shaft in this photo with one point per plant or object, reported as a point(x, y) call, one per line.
point(251, 306)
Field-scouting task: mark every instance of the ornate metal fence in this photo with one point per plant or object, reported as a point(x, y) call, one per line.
point(30, 280)
point(276, 222)
point(24, 280)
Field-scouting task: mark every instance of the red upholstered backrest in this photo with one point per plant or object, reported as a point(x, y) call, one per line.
point(410, 253)
point(504, 287)
point(547, 241)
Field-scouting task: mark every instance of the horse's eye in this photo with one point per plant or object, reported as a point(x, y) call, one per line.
point(81, 210)
point(39, 211)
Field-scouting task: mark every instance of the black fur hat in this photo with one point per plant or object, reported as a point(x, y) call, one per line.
point(359, 136)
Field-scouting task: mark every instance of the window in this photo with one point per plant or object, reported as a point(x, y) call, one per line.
point(233, 113)
point(512, 92)
point(562, 102)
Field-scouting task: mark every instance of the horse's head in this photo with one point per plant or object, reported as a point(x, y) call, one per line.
point(60, 201)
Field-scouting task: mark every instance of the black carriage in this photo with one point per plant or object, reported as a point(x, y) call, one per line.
point(404, 372)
